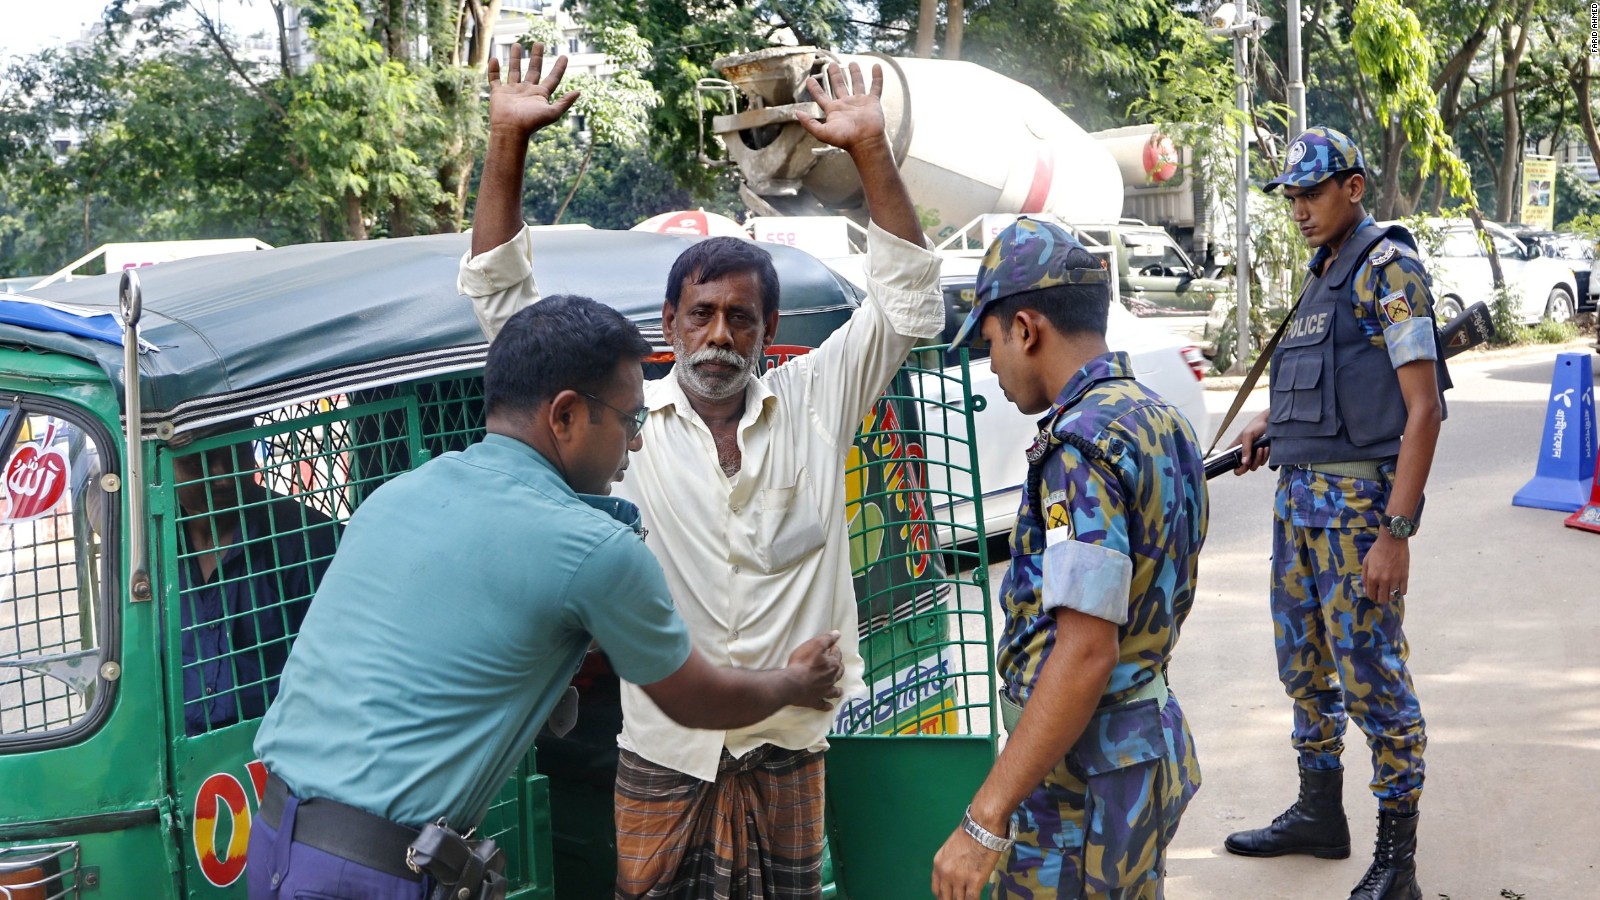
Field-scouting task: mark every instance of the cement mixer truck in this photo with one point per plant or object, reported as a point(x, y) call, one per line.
point(969, 141)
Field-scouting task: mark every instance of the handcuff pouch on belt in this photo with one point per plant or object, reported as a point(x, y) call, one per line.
point(461, 869)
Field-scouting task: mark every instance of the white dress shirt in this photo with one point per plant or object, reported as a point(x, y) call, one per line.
point(760, 562)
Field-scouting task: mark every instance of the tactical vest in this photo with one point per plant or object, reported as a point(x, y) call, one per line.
point(1335, 395)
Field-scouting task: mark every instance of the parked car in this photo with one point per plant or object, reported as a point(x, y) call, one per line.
point(1576, 249)
point(1461, 274)
point(1155, 276)
point(1163, 362)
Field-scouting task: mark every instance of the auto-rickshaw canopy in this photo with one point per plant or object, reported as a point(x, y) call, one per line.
point(359, 312)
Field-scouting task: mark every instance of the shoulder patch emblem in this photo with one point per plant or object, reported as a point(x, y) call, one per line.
point(1056, 514)
point(1385, 256)
point(1396, 308)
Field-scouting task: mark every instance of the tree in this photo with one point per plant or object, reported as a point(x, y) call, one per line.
point(92, 152)
point(351, 121)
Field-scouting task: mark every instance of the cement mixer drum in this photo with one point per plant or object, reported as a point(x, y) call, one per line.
point(968, 141)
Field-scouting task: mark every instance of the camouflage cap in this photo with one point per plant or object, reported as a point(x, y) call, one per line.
point(1317, 153)
point(1028, 255)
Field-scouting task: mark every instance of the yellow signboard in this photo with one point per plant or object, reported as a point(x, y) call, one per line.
point(1539, 191)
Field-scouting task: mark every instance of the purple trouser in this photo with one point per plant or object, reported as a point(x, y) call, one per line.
point(284, 869)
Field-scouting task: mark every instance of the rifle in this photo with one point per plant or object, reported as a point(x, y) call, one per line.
point(1472, 327)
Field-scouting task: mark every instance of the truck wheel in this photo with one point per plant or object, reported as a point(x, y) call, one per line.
point(1559, 307)
point(1446, 309)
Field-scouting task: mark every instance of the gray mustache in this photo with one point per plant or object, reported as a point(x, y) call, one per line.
point(717, 355)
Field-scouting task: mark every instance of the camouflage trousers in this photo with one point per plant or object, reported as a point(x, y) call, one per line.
point(1341, 655)
point(1099, 825)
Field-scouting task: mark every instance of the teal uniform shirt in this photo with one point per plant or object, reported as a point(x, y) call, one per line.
point(461, 601)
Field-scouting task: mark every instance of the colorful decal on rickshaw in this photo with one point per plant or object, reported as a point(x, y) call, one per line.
point(36, 478)
point(222, 864)
point(925, 689)
point(902, 480)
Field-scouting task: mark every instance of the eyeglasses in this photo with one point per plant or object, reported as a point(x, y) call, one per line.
point(633, 420)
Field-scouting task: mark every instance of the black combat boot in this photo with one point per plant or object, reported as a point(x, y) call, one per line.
point(1393, 873)
point(1315, 824)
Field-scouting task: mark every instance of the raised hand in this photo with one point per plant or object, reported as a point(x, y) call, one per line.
point(853, 115)
point(523, 104)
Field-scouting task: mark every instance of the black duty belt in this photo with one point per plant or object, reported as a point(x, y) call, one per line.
point(346, 832)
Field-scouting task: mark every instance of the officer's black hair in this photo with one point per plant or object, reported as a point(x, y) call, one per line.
point(716, 257)
point(1343, 175)
point(561, 343)
point(1069, 308)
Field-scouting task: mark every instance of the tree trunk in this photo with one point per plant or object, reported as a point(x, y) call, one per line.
point(483, 15)
point(285, 65)
point(927, 23)
point(1394, 147)
point(355, 227)
point(587, 155)
point(395, 44)
point(1511, 60)
point(1580, 89)
point(954, 26)
point(1496, 273)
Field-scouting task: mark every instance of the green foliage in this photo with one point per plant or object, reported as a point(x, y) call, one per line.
point(1503, 311)
point(616, 109)
point(351, 121)
point(622, 187)
point(136, 170)
point(1548, 332)
point(1575, 199)
point(1584, 223)
point(1392, 50)
point(685, 37)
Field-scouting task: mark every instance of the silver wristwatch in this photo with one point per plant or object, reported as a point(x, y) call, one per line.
point(983, 836)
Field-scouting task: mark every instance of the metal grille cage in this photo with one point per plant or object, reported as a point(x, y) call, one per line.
point(43, 872)
point(918, 556)
point(52, 520)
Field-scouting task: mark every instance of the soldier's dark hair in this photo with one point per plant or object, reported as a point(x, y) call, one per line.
point(1069, 308)
point(561, 343)
point(716, 257)
point(1343, 175)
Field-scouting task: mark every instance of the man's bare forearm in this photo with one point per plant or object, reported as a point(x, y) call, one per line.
point(1419, 385)
point(888, 201)
point(1065, 697)
point(498, 215)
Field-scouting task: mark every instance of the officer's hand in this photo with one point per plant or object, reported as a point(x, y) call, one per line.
point(524, 104)
point(815, 668)
point(962, 867)
point(1386, 570)
point(1249, 437)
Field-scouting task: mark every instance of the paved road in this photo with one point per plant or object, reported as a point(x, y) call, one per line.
point(1504, 624)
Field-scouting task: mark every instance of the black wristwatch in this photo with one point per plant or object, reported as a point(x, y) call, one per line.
point(1400, 527)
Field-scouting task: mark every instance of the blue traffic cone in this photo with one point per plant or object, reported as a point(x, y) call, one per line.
point(1567, 450)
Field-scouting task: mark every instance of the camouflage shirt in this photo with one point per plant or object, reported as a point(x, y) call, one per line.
point(1123, 474)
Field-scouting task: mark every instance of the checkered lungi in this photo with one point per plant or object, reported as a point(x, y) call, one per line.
point(754, 834)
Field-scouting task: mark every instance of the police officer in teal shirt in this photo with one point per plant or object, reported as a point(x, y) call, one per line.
point(461, 601)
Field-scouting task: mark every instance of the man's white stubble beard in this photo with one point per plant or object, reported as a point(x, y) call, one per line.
point(714, 387)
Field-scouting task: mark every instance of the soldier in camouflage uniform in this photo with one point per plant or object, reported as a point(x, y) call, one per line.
point(1102, 574)
point(1354, 414)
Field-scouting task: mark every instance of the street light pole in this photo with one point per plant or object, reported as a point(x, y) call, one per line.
point(1240, 24)
point(1241, 217)
point(1297, 86)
